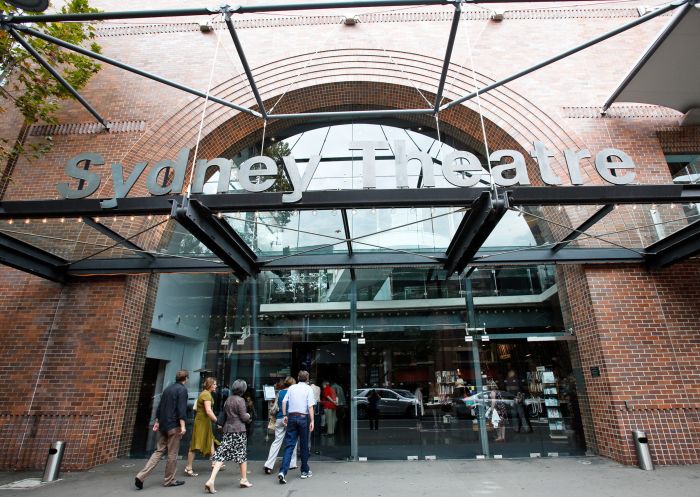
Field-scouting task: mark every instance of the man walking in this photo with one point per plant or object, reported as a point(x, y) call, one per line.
point(298, 417)
point(170, 425)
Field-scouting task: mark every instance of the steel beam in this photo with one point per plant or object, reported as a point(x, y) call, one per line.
point(240, 9)
point(24, 257)
point(137, 265)
point(473, 231)
point(59, 78)
point(217, 235)
point(244, 61)
point(108, 232)
point(448, 56)
point(599, 214)
point(107, 16)
point(563, 55)
point(597, 195)
point(346, 227)
point(675, 248)
point(136, 206)
point(348, 199)
point(533, 256)
point(482, 259)
point(350, 114)
point(126, 67)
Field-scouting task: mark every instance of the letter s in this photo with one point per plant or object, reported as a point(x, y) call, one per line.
point(92, 180)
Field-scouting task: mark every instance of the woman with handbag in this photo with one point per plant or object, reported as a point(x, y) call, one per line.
point(279, 428)
point(233, 447)
point(202, 434)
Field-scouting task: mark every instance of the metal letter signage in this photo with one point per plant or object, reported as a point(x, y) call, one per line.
point(258, 174)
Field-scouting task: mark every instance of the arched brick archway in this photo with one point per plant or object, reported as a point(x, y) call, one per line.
point(334, 81)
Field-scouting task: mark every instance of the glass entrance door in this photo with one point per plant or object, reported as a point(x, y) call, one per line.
point(528, 401)
point(409, 400)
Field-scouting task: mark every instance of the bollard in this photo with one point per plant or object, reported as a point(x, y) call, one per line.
point(53, 461)
point(641, 444)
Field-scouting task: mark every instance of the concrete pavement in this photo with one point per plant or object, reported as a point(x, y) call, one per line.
point(555, 477)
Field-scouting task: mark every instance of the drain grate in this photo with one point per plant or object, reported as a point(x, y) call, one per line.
point(24, 484)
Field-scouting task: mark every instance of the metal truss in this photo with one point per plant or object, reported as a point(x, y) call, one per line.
point(16, 24)
point(202, 217)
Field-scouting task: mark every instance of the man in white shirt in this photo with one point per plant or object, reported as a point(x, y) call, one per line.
point(298, 417)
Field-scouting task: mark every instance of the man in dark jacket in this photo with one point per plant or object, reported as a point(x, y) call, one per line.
point(170, 425)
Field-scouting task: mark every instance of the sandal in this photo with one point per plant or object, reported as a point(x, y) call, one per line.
point(209, 488)
point(189, 472)
point(245, 484)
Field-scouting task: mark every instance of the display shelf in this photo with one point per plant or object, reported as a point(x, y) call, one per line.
point(552, 405)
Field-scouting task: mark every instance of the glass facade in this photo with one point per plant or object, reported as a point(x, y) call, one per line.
point(432, 347)
point(426, 364)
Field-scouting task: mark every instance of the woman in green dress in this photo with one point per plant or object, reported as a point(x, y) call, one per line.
point(202, 434)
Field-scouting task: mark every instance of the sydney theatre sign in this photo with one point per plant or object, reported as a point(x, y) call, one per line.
point(258, 174)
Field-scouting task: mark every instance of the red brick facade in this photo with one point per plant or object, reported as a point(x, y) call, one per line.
point(72, 355)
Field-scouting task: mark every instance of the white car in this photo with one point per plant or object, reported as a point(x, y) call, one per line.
point(391, 403)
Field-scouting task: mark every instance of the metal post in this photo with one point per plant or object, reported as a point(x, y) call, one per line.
point(255, 374)
point(244, 62)
point(53, 461)
point(448, 56)
point(353, 369)
point(480, 410)
point(641, 445)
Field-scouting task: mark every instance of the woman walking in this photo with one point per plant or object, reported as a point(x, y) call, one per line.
point(234, 445)
point(202, 435)
point(280, 430)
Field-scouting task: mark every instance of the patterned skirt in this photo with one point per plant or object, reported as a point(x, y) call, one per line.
point(232, 448)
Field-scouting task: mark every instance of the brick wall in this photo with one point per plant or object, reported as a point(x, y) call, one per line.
point(640, 327)
point(68, 359)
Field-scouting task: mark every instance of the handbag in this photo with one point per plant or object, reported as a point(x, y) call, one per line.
point(271, 424)
point(274, 408)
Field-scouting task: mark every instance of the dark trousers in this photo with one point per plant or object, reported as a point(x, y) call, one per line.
point(373, 417)
point(297, 429)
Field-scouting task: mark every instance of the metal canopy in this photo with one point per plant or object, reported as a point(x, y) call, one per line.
point(202, 217)
point(668, 72)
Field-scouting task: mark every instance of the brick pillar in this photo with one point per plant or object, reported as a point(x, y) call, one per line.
point(642, 328)
point(69, 358)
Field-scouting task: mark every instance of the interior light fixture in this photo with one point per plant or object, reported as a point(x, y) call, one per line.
point(351, 21)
